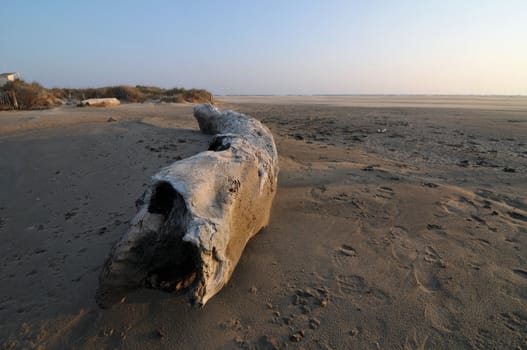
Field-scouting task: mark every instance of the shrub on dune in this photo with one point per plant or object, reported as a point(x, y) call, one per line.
point(21, 95)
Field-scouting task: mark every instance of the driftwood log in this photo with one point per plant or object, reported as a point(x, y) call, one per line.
point(100, 102)
point(197, 215)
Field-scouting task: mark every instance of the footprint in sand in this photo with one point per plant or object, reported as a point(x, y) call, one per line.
point(403, 250)
point(425, 268)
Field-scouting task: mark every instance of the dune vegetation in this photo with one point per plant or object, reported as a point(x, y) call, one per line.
point(20, 95)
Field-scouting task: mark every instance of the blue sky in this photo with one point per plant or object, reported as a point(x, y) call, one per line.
point(272, 47)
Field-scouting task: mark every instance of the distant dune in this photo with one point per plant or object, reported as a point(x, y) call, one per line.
point(19, 95)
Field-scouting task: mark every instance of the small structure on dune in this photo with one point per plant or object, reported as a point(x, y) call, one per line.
point(7, 77)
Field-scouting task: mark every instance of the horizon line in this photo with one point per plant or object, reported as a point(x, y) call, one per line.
point(373, 95)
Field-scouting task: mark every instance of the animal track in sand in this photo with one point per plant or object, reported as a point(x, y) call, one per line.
point(484, 340)
point(382, 203)
point(425, 279)
point(474, 265)
point(432, 257)
point(458, 205)
point(437, 229)
point(517, 216)
point(422, 263)
point(440, 318)
point(385, 193)
point(415, 342)
point(351, 285)
point(480, 212)
point(520, 272)
point(342, 256)
point(347, 250)
point(354, 285)
point(515, 321)
point(483, 242)
point(335, 202)
point(516, 203)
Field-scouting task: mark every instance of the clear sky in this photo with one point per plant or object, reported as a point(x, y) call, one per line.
point(271, 46)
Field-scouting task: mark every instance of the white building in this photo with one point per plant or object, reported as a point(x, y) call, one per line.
point(5, 77)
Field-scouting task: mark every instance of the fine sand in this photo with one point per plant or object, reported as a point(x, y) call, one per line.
point(399, 223)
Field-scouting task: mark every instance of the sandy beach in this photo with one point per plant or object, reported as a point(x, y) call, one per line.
point(399, 223)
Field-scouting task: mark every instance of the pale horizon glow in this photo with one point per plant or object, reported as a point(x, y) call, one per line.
point(471, 47)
